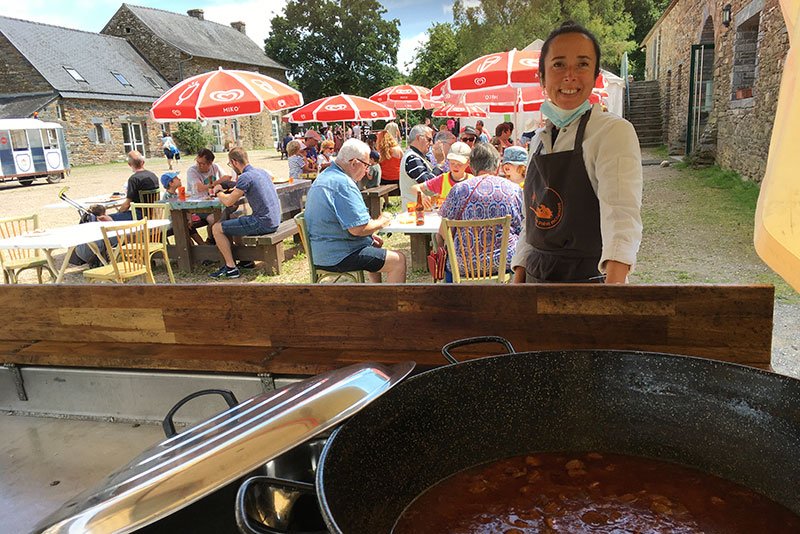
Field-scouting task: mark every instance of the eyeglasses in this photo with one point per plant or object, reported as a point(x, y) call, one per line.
point(361, 162)
point(468, 139)
point(429, 139)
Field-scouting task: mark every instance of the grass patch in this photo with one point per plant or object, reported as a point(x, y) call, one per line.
point(661, 151)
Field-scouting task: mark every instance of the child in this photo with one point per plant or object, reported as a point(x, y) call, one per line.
point(171, 183)
point(515, 161)
point(373, 176)
point(298, 163)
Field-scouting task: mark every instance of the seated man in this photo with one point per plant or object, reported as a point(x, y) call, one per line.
point(339, 227)
point(204, 174)
point(140, 180)
point(256, 186)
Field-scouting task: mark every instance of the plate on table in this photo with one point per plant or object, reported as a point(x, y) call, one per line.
point(279, 180)
point(407, 218)
point(116, 197)
point(36, 233)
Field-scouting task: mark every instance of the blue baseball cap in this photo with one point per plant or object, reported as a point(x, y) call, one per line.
point(167, 177)
point(516, 155)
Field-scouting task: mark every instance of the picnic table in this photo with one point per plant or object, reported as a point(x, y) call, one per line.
point(107, 200)
point(186, 254)
point(372, 197)
point(422, 237)
point(68, 237)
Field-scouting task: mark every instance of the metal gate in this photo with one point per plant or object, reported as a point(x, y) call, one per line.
point(701, 92)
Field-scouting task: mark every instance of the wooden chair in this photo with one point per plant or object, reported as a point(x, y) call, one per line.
point(15, 261)
point(476, 245)
point(158, 236)
point(318, 275)
point(149, 196)
point(131, 256)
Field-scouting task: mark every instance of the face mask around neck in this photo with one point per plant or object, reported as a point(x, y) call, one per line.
point(562, 117)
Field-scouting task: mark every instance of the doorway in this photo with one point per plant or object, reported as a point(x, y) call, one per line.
point(133, 137)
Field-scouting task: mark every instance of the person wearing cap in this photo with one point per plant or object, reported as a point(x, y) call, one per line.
point(583, 187)
point(373, 176)
point(514, 163)
point(298, 162)
point(171, 183)
point(483, 196)
point(312, 139)
point(458, 157)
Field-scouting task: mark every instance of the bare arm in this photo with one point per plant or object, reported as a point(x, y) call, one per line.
point(372, 226)
point(229, 199)
point(616, 272)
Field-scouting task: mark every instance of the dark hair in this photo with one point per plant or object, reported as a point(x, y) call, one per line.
point(206, 154)
point(502, 127)
point(568, 27)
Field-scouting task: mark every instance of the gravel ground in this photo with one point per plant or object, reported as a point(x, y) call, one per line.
point(681, 243)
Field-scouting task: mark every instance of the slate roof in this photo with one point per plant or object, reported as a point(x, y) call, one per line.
point(12, 107)
point(203, 38)
point(95, 56)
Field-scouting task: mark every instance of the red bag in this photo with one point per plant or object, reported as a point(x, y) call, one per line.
point(436, 262)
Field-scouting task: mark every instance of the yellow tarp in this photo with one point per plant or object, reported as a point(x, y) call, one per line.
point(777, 223)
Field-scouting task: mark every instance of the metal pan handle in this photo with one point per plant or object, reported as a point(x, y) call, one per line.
point(471, 341)
point(243, 522)
point(169, 426)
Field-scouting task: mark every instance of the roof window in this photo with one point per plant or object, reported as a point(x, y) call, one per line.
point(121, 79)
point(152, 82)
point(75, 74)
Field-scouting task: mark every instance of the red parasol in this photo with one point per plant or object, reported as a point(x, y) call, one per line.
point(405, 97)
point(340, 108)
point(460, 110)
point(221, 94)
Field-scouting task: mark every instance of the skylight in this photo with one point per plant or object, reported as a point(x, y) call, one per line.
point(120, 78)
point(153, 82)
point(75, 74)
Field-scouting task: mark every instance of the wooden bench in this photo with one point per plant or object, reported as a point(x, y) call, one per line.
point(307, 329)
point(372, 197)
point(269, 247)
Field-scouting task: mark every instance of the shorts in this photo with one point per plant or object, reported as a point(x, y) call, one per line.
point(168, 153)
point(368, 258)
point(246, 225)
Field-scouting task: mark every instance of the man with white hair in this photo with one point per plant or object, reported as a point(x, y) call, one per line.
point(415, 167)
point(341, 232)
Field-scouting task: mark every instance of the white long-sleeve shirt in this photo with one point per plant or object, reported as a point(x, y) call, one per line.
point(613, 162)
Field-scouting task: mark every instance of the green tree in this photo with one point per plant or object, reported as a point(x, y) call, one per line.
point(335, 46)
point(190, 137)
point(645, 14)
point(438, 58)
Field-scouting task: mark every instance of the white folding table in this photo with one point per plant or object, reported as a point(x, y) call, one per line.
point(68, 237)
point(421, 237)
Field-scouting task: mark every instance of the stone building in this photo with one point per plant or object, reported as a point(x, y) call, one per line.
point(180, 46)
point(719, 67)
point(98, 87)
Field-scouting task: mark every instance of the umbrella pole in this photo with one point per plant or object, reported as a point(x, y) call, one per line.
point(405, 132)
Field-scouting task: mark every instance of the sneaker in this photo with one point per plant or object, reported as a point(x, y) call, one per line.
point(248, 264)
point(226, 272)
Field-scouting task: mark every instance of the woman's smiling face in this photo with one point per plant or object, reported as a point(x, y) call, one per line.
point(569, 70)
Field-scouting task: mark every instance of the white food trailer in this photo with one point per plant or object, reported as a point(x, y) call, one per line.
point(31, 149)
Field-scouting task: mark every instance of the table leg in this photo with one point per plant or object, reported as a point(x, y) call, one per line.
point(94, 248)
point(420, 248)
point(49, 255)
point(180, 230)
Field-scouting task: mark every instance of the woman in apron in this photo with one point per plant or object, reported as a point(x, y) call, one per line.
point(583, 187)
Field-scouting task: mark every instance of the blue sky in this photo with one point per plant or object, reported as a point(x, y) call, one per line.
point(415, 15)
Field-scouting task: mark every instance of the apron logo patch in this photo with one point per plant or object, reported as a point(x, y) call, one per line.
point(549, 211)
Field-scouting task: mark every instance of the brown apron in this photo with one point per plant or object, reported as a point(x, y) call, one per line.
point(562, 216)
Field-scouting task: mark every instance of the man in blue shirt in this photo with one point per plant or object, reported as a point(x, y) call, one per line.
point(255, 185)
point(339, 227)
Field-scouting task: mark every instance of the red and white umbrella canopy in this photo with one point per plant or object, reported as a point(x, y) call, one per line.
point(460, 110)
point(515, 68)
point(405, 97)
point(340, 108)
point(224, 93)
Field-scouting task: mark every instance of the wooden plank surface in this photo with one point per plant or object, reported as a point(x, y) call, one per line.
point(304, 328)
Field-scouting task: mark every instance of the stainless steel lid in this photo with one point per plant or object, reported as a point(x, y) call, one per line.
point(194, 463)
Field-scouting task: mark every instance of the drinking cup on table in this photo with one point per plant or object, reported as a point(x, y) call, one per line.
point(411, 207)
point(181, 193)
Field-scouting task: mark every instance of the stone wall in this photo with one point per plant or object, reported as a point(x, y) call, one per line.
point(743, 122)
point(84, 122)
point(17, 75)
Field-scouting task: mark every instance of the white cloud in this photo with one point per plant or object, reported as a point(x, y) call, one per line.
point(256, 15)
point(447, 9)
point(408, 47)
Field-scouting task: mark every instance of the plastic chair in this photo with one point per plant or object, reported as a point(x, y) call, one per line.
point(149, 196)
point(318, 275)
point(131, 256)
point(158, 236)
point(476, 245)
point(15, 261)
